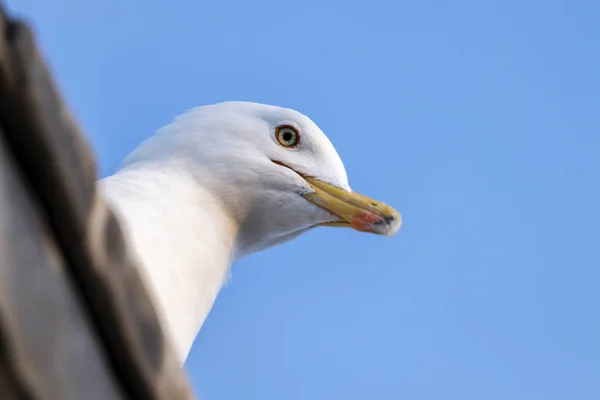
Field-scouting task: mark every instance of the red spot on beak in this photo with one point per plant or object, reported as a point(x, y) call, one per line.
point(364, 221)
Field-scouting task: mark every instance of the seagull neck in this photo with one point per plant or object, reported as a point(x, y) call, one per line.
point(184, 241)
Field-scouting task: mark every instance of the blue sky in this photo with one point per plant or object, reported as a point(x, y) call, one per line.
point(478, 120)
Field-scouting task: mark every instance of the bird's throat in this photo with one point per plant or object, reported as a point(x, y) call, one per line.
point(184, 250)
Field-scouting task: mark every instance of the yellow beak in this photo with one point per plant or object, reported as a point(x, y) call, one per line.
point(355, 210)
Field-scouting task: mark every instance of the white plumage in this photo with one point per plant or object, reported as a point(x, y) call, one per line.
point(216, 185)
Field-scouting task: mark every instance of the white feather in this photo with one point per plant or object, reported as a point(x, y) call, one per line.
point(204, 192)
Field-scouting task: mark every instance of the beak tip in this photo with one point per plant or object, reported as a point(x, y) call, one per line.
point(387, 225)
point(393, 224)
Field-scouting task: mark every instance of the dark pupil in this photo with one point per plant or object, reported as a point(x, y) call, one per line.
point(287, 136)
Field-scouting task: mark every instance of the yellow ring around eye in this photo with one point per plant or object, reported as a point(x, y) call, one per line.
point(287, 136)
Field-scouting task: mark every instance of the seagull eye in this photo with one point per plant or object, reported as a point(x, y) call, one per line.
point(287, 136)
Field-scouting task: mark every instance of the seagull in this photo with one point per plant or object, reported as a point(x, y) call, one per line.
point(221, 182)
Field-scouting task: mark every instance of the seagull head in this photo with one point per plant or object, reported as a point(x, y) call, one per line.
point(273, 170)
